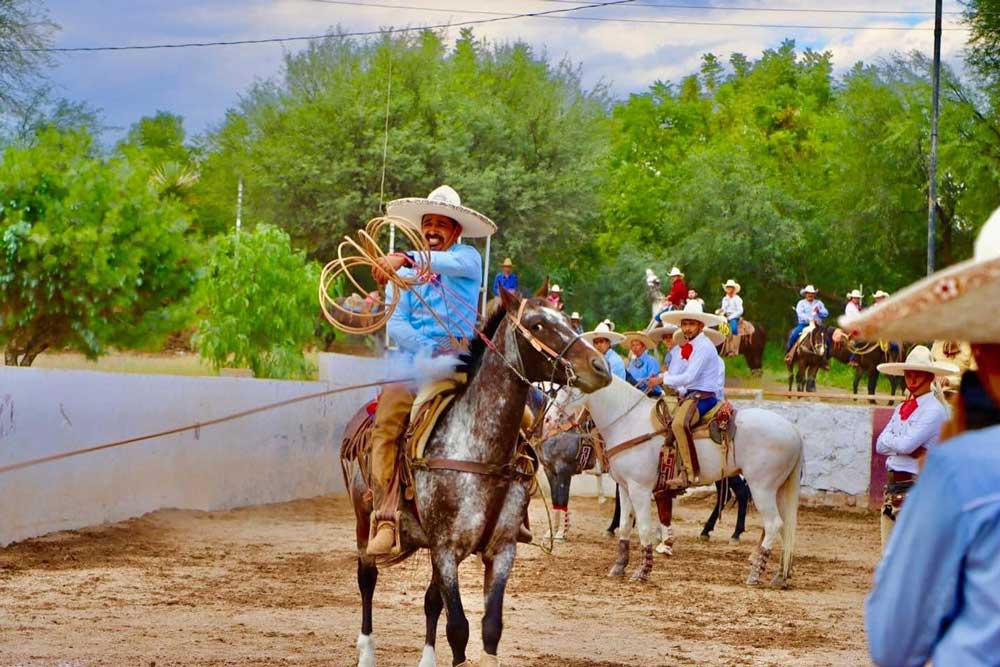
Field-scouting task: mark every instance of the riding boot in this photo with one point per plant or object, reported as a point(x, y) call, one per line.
point(390, 421)
point(684, 418)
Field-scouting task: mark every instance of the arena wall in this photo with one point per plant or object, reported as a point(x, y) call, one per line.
point(278, 455)
point(273, 456)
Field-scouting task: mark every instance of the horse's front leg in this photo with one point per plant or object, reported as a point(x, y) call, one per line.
point(367, 578)
point(433, 604)
point(498, 567)
point(624, 533)
point(457, 628)
point(641, 500)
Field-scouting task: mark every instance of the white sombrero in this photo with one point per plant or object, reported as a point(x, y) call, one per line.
point(675, 272)
point(574, 316)
point(556, 289)
point(855, 294)
point(693, 310)
point(732, 283)
point(919, 359)
point(879, 294)
point(443, 201)
point(714, 335)
point(957, 303)
point(602, 330)
point(808, 289)
point(641, 337)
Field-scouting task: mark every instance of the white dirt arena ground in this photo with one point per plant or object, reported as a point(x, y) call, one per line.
point(275, 585)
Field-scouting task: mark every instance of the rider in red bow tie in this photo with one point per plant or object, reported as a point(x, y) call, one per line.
point(915, 426)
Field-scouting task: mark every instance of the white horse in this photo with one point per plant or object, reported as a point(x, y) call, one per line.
point(767, 449)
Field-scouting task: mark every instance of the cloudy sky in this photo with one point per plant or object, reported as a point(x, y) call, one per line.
point(627, 46)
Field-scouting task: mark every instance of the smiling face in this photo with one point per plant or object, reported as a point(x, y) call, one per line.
point(440, 231)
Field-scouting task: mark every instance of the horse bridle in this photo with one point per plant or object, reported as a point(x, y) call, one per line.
point(554, 358)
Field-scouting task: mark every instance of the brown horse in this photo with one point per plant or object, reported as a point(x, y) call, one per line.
point(867, 357)
point(809, 357)
point(752, 349)
point(469, 492)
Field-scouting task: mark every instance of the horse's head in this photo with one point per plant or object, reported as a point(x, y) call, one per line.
point(548, 348)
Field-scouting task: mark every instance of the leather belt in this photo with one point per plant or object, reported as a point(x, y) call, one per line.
point(899, 477)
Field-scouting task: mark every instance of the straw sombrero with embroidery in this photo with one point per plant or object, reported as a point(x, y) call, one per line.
point(956, 303)
point(659, 334)
point(641, 337)
point(714, 335)
point(443, 201)
point(602, 330)
point(919, 359)
point(693, 310)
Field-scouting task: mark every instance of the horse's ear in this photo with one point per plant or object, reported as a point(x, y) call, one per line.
point(544, 289)
point(511, 300)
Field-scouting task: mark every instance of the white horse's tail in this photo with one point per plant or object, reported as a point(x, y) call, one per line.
point(788, 508)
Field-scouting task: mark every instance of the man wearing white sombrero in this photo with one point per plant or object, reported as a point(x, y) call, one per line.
point(603, 338)
point(574, 321)
point(555, 297)
point(417, 332)
point(700, 383)
point(914, 428)
point(937, 590)
point(809, 310)
point(853, 306)
point(732, 305)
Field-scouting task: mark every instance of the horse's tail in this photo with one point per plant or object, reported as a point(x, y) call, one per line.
point(788, 508)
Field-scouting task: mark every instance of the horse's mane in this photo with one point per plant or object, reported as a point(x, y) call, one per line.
point(477, 347)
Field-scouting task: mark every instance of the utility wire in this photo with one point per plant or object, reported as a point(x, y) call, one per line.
point(617, 19)
point(303, 38)
point(797, 10)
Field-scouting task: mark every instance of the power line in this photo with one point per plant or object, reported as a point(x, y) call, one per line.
point(797, 10)
point(302, 38)
point(618, 19)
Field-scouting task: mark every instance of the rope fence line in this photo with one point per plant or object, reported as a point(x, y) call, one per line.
point(193, 427)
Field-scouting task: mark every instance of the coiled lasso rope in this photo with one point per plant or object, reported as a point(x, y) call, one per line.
point(365, 252)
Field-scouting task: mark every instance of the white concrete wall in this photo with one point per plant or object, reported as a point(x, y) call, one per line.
point(282, 454)
point(837, 440)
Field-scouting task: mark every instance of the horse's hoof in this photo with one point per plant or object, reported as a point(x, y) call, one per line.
point(753, 580)
point(616, 571)
point(602, 500)
point(487, 660)
point(704, 537)
point(639, 576)
point(609, 533)
point(779, 582)
point(735, 539)
point(559, 538)
point(663, 548)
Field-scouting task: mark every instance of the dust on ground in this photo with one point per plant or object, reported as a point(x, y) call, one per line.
point(275, 585)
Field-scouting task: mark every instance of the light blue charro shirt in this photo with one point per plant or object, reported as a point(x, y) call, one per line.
point(937, 589)
point(413, 327)
point(615, 363)
point(807, 312)
point(642, 368)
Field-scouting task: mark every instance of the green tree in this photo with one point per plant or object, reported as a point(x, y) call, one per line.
point(24, 27)
point(89, 255)
point(514, 133)
point(259, 304)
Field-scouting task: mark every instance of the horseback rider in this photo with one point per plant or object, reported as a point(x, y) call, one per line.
point(957, 353)
point(435, 324)
point(604, 338)
point(574, 322)
point(853, 306)
point(732, 306)
point(506, 278)
point(555, 297)
point(879, 296)
point(677, 297)
point(809, 310)
point(700, 383)
point(643, 364)
point(914, 428)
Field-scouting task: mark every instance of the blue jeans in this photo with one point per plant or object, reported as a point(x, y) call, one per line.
point(734, 326)
point(796, 332)
point(706, 404)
